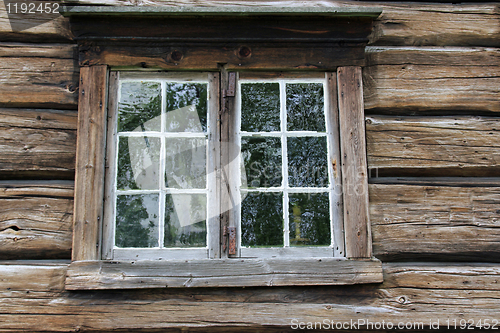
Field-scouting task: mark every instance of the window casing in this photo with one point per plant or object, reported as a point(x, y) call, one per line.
point(162, 45)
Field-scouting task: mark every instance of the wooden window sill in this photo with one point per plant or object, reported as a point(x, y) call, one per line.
point(238, 272)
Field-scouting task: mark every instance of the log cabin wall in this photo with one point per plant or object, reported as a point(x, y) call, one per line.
point(432, 89)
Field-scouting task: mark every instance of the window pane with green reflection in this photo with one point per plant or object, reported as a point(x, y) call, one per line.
point(307, 162)
point(262, 219)
point(186, 107)
point(139, 108)
point(262, 161)
point(309, 219)
point(185, 220)
point(260, 107)
point(305, 107)
point(138, 163)
point(137, 220)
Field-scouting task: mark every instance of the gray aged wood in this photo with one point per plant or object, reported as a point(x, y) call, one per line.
point(33, 28)
point(403, 79)
point(354, 167)
point(37, 142)
point(38, 75)
point(88, 275)
point(35, 219)
point(400, 23)
point(410, 293)
point(90, 156)
point(435, 222)
point(335, 158)
point(462, 146)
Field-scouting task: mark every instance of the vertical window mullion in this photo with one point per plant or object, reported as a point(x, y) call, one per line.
point(284, 158)
point(162, 193)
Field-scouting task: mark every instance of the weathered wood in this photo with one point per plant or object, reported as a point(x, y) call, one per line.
point(333, 129)
point(88, 275)
point(441, 181)
point(33, 28)
point(207, 57)
point(37, 142)
point(90, 157)
point(410, 293)
point(434, 146)
point(354, 175)
point(435, 222)
point(35, 219)
point(400, 23)
point(403, 79)
point(32, 276)
point(38, 76)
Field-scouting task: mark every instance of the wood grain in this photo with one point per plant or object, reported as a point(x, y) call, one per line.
point(37, 143)
point(434, 146)
point(435, 222)
point(35, 219)
point(38, 76)
point(90, 158)
point(404, 79)
point(410, 293)
point(354, 167)
point(89, 275)
point(33, 28)
point(415, 24)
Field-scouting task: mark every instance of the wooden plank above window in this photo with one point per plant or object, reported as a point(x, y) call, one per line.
point(201, 38)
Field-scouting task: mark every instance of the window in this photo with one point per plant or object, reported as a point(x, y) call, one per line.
point(203, 161)
point(161, 175)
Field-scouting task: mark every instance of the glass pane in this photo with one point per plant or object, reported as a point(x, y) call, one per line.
point(137, 220)
point(262, 219)
point(305, 107)
point(139, 108)
point(185, 220)
point(138, 163)
point(185, 163)
point(186, 105)
point(309, 216)
point(307, 162)
point(261, 158)
point(260, 107)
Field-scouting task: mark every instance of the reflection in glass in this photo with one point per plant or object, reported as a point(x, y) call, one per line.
point(305, 107)
point(137, 220)
point(185, 220)
point(138, 163)
point(261, 158)
point(307, 162)
point(186, 106)
point(262, 219)
point(185, 163)
point(309, 218)
point(260, 107)
point(139, 103)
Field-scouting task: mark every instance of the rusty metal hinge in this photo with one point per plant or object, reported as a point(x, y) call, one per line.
point(229, 233)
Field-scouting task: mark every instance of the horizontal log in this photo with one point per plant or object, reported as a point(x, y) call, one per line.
point(402, 24)
point(43, 76)
point(36, 219)
point(454, 222)
point(42, 142)
point(434, 146)
point(33, 28)
point(435, 222)
point(416, 293)
point(37, 143)
point(85, 275)
point(404, 79)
